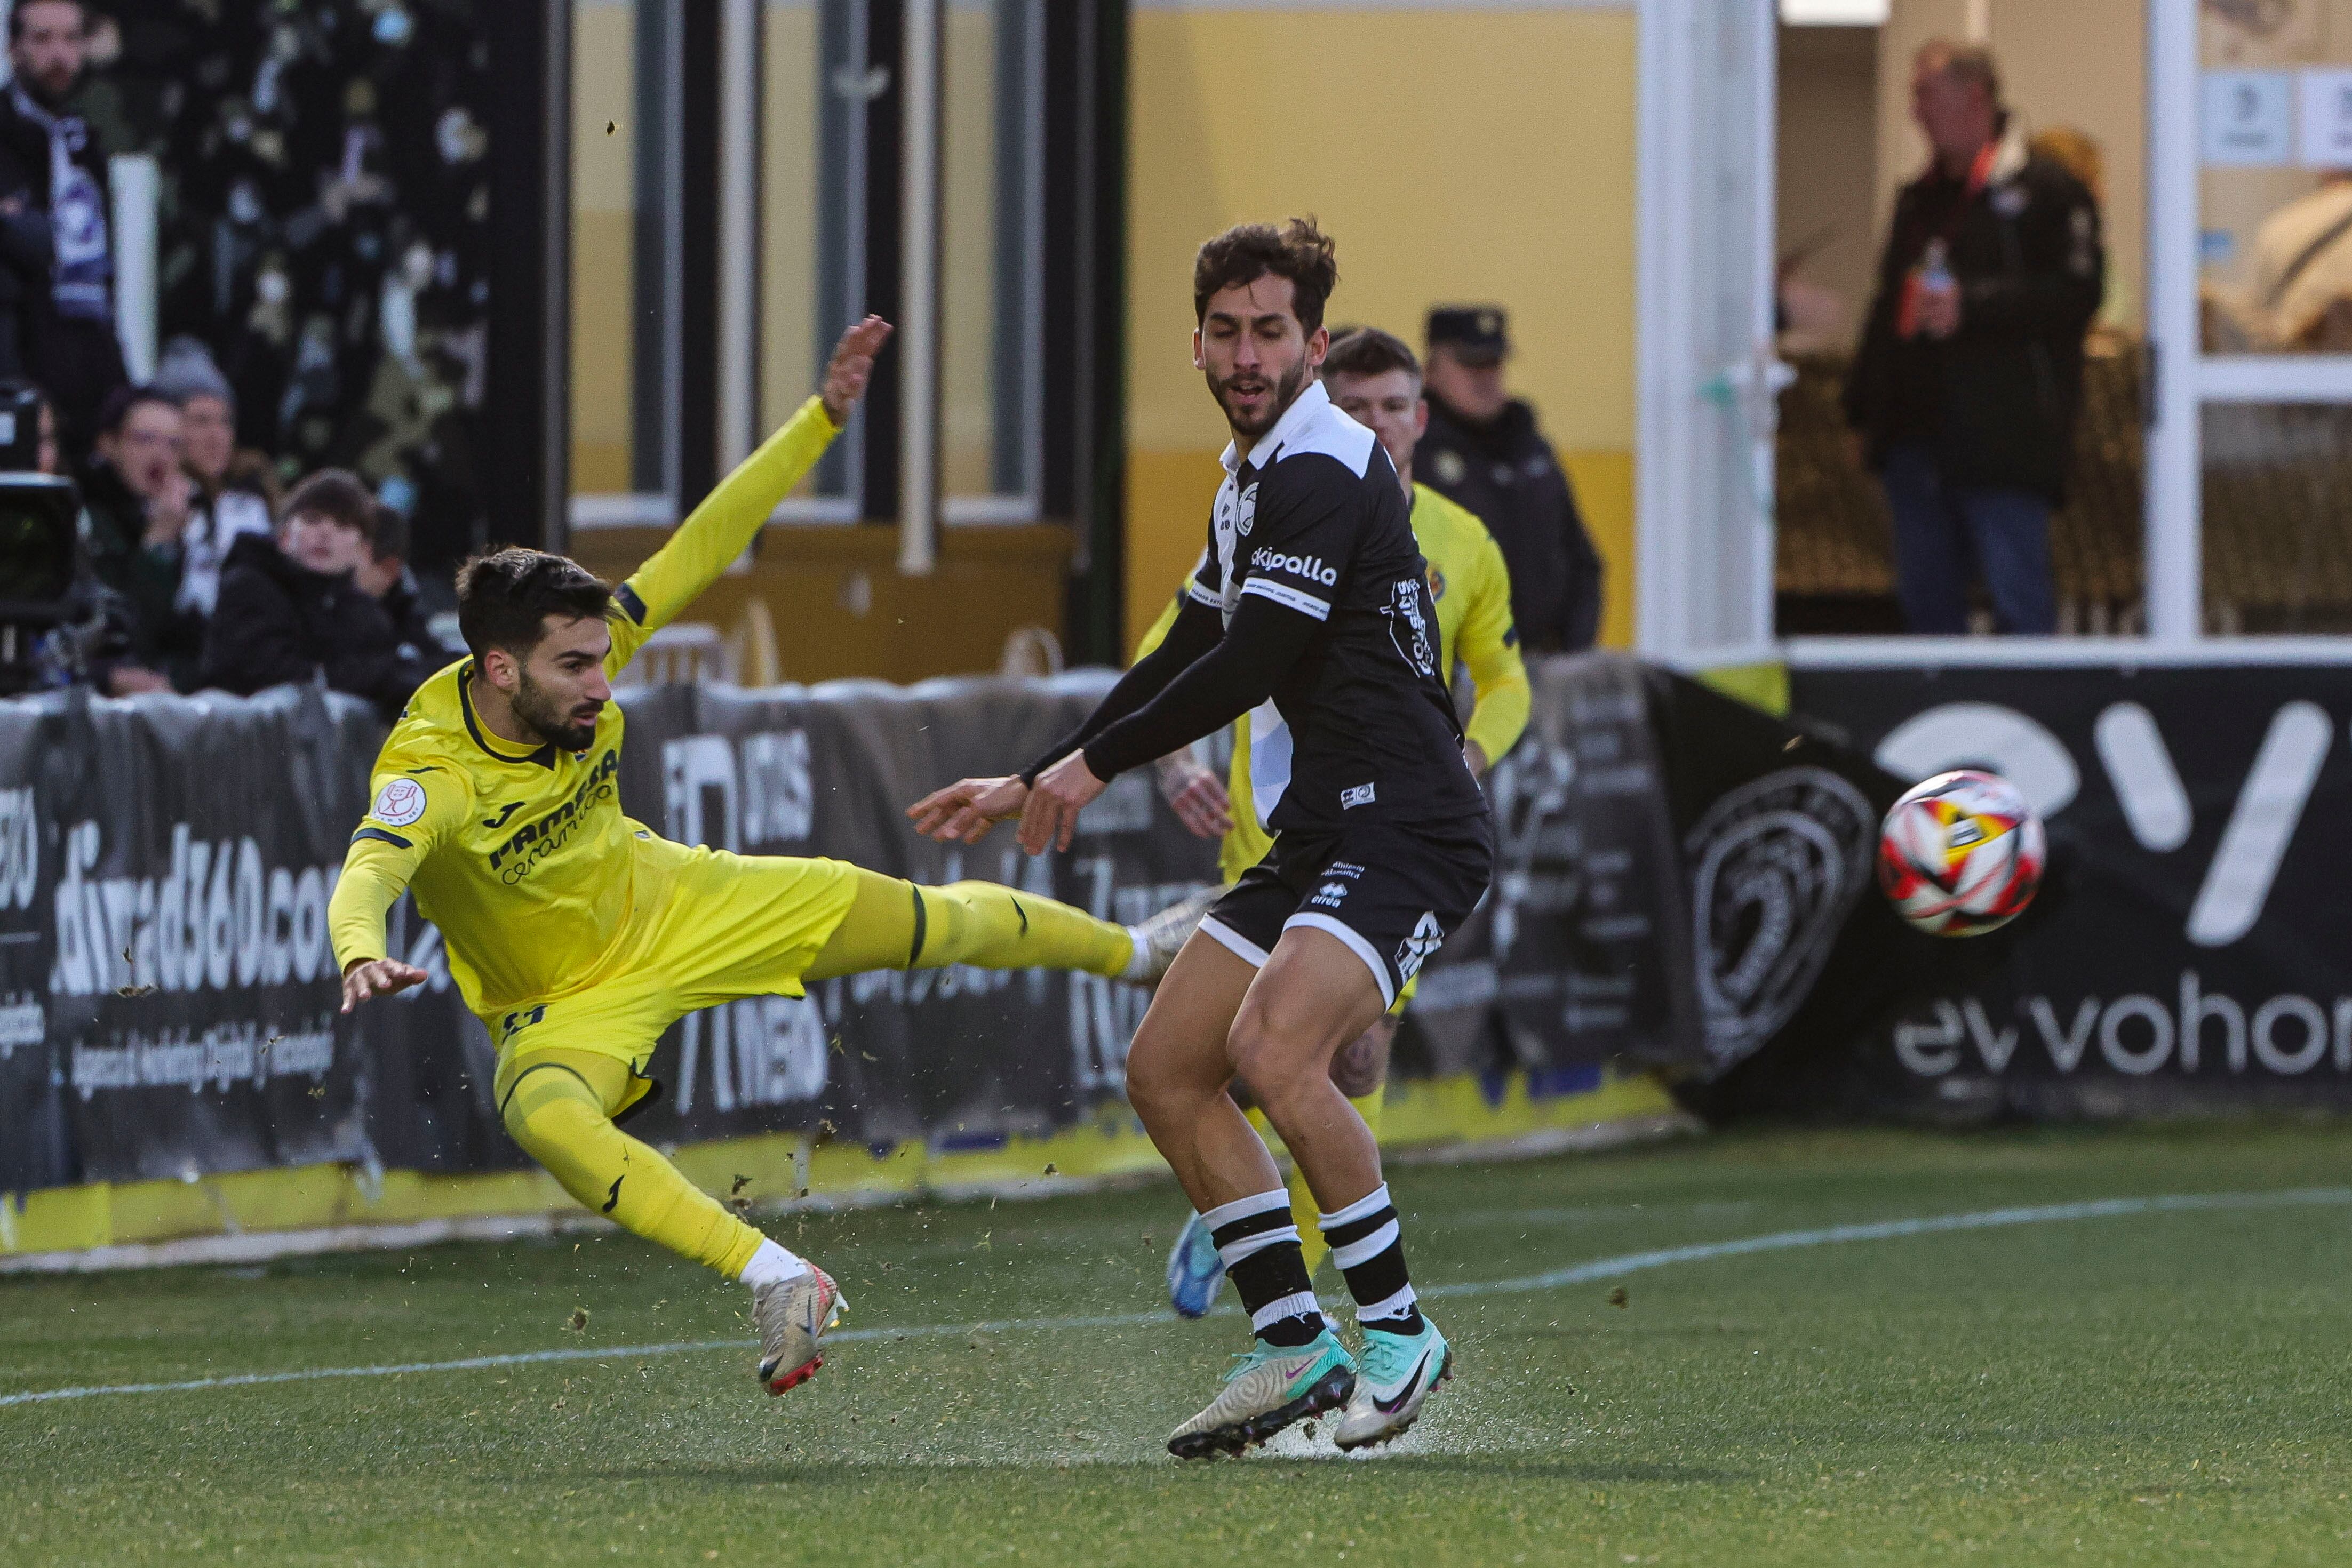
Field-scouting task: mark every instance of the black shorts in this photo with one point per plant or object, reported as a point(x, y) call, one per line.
point(1391, 890)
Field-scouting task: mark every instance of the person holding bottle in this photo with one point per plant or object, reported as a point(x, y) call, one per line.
point(1963, 394)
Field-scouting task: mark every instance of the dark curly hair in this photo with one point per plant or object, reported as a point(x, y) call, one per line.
point(1247, 252)
point(505, 598)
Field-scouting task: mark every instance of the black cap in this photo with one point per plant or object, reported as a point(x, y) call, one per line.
point(1478, 334)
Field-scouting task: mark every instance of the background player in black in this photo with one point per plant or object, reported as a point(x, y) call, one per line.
point(1310, 613)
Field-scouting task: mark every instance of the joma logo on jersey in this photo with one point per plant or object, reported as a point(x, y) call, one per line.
point(1309, 567)
point(535, 841)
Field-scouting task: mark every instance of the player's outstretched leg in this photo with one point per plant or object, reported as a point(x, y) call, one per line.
point(559, 1106)
point(897, 924)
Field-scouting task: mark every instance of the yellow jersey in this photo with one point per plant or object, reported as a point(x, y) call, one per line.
point(521, 856)
point(1472, 587)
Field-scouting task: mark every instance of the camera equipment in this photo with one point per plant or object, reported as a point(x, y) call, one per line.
point(20, 428)
point(37, 513)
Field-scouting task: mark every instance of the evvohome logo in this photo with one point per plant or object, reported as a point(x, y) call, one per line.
point(2179, 1024)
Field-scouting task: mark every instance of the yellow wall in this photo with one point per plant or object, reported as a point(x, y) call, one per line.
point(1455, 156)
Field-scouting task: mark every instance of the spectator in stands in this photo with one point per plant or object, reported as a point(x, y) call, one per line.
point(237, 490)
point(92, 647)
point(291, 608)
point(2301, 300)
point(1965, 389)
point(136, 502)
point(385, 577)
point(57, 255)
point(1483, 453)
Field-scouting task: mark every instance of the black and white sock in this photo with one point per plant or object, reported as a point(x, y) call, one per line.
point(1259, 1245)
point(1369, 1247)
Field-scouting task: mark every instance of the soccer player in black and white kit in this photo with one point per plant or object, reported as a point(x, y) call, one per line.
point(1310, 612)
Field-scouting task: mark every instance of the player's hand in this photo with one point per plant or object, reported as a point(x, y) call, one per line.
point(1197, 795)
point(1051, 817)
point(852, 367)
point(964, 810)
point(378, 977)
point(1474, 755)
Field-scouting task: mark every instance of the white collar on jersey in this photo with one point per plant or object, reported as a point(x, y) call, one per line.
point(1307, 406)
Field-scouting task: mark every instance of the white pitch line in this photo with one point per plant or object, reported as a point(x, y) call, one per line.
point(1580, 1273)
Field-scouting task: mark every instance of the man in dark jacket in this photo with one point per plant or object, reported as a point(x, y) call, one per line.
point(1964, 390)
point(57, 255)
point(1483, 453)
point(289, 610)
point(137, 505)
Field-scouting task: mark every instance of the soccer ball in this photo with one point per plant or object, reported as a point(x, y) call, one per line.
point(1960, 854)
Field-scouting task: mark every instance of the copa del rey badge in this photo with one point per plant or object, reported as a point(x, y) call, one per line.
point(399, 803)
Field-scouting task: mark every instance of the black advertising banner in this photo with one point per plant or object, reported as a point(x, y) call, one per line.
point(187, 852)
point(2188, 947)
point(964, 1055)
point(1665, 879)
point(1583, 940)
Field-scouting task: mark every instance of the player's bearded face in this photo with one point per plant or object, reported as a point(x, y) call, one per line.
point(564, 718)
point(1252, 401)
point(1254, 353)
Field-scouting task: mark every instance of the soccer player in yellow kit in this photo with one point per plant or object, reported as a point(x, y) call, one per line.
point(1376, 380)
point(578, 936)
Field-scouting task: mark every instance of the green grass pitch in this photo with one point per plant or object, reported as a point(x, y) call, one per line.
point(2127, 1386)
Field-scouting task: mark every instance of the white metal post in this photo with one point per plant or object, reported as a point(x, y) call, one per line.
point(2175, 544)
point(1771, 375)
point(1664, 397)
point(918, 345)
point(137, 184)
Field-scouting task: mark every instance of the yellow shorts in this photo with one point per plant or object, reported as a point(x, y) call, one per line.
point(730, 926)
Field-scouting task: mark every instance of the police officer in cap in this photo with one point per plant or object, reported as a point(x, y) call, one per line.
point(1483, 453)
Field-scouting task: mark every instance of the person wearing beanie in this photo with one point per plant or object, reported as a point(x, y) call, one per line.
point(238, 490)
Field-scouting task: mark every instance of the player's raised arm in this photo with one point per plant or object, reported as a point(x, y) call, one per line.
point(731, 516)
point(411, 809)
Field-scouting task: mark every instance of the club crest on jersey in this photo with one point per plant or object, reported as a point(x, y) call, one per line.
point(1246, 511)
point(399, 803)
point(1309, 567)
point(1436, 584)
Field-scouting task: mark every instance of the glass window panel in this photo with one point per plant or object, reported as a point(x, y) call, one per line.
point(624, 240)
point(2275, 214)
point(2278, 518)
point(815, 83)
point(992, 262)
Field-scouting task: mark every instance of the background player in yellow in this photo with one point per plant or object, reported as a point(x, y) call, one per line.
point(1376, 380)
point(578, 936)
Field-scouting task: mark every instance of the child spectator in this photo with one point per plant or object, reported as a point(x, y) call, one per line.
point(289, 608)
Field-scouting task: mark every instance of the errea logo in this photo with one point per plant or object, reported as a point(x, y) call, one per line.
point(1311, 567)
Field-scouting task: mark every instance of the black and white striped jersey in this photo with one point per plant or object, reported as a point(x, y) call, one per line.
point(1362, 728)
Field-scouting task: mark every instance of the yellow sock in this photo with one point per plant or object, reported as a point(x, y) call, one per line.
point(998, 927)
point(557, 1111)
